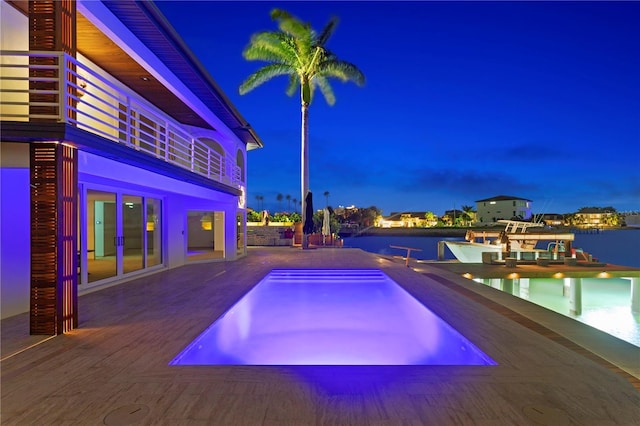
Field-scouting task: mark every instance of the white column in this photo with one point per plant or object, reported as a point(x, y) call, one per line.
point(575, 295)
point(440, 250)
point(507, 285)
point(635, 294)
point(524, 288)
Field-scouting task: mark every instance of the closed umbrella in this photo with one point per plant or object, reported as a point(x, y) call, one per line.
point(308, 214)
point(326, 227)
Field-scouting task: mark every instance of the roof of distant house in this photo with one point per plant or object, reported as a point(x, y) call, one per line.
point(398, 215)
point(502, 198)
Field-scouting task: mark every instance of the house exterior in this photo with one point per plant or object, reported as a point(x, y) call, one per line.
point(120, 155)
point(553, 219)
point(595, 218)
point(457, 217)
point(502, 207)
point(406, 220)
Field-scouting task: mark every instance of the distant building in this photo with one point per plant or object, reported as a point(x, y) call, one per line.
point(553, 219)
point(595, 218)
point(631, 219)
point(503, 207)
point(406, 220)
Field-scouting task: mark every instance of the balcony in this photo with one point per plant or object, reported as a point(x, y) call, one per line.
point(55, 87)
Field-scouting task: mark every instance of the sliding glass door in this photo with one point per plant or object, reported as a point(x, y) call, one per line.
point(102, 249)
point(154, 232)
point(132, 236)
point(119, 234)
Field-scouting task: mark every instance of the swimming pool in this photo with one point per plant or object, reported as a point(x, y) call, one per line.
point(330, 317)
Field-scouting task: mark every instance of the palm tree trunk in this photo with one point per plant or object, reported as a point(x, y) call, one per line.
point(305, 167)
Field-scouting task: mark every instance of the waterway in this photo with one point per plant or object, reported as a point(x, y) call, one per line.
point(606, 301)
point(619, 247)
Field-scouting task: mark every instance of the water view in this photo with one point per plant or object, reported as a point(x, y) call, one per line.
point(606, 301)
point(619, 247)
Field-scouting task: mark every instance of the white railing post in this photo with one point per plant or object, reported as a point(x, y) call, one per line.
point(63, 87)
point(166, 144)
point(192, 153)
point(127, 117)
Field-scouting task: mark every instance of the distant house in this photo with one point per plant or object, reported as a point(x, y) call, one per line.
point(595, 218)
point(502, 207)
point(120, 155)
point(405, 220)
point(552, 219)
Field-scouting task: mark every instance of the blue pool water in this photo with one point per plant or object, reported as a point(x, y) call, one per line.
point(330, 317)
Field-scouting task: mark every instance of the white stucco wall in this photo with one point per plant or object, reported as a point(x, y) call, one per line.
point(177, 197)
point(15, 243)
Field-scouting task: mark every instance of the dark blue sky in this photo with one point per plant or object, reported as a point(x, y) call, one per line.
point(463, 101)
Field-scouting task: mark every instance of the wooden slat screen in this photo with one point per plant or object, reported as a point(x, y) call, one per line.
point(51, 28)
point(53, 238)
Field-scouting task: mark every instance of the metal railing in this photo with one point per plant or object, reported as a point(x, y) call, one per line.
point(54, 86)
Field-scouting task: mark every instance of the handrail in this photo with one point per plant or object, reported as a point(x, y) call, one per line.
point(408, 249)
point(66, 90)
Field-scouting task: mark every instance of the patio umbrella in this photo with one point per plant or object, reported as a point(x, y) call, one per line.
point(326, 228)
point(308, 214)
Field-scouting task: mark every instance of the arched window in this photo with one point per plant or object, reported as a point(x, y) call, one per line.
point(240, 164)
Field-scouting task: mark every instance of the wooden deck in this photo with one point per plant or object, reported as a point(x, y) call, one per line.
point(113, 369)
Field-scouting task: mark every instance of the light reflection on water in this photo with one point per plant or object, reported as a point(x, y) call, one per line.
point(606, 302)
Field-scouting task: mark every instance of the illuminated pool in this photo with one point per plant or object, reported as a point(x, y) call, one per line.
point(330, 317)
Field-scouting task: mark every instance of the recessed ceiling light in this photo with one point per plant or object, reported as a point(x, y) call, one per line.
point(145, 79)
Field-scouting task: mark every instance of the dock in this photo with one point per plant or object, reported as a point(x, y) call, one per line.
point(551, 370)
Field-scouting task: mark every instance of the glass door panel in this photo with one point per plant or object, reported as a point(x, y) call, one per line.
point(101, 235)
point(241, 224)
point(154, 232)
point(132, 237)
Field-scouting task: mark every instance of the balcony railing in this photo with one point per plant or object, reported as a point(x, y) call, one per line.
point(53, 86)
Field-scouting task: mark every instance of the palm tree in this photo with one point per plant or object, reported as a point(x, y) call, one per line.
point(467, 213)
point(297, 51)
point(295, 204)
point(288, 197)
point(326, 194)
point(260, 198)
point(279, 197)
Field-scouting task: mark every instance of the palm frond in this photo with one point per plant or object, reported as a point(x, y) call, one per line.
point(327, 31)
point(325, 89)
point(294, 84)
point(263, 75)
point(271, 46)
point(302, 34)
point(290, 24)
point(343, 70)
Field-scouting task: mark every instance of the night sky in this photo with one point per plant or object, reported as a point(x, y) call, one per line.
point(463, 101)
